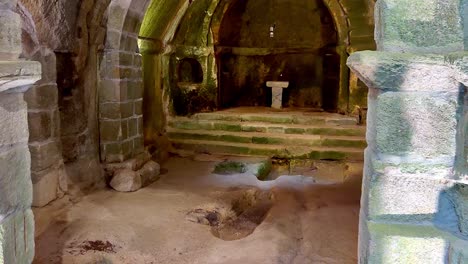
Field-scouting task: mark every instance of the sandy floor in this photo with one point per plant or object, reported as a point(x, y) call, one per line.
point(306, 222)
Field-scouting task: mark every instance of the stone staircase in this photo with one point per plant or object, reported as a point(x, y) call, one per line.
point(277, 134)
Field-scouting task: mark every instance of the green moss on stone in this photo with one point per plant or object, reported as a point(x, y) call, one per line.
point(230, 167)
point(264, 170)
point(294, 131)
point(228, 127)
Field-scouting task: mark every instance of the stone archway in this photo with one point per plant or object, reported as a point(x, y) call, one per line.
point(303, 49)
point(354, 21)
point(368, 234)
point(121, 83)
point(415, 198)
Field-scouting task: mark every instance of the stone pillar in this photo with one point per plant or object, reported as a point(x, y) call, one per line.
point(413, 127)
point(47, 166)
point(16, 218)
point(121, 89)
point(414, 202)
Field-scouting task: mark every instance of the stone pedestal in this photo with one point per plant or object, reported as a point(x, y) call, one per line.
point(277, 93)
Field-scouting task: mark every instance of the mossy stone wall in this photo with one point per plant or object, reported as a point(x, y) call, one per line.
point(304, 39)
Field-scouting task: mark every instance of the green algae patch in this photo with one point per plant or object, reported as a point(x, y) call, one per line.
point(264, 170)
point(230, 167)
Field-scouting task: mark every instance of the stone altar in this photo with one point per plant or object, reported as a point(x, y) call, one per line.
point(277, 93)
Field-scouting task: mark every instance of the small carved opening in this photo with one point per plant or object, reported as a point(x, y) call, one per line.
point(190, 71)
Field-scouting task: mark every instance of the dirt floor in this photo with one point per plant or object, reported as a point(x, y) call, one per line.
point(193, 216)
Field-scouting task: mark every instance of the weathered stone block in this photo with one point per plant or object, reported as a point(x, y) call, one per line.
point(46, 188)
point(149, 173)
point(404, 199)
point(131, 22)
point(130, 44)
point(15, 183)
point(387, 249)
point(138, 145)
point(113, 39)
point(11, 70)
point(424, 26)
point(40, 126)
point(126, 109)
point(111, 130)
point(138, 107)
point(458, 255)
point(109, 91)
point(132, 127)
point(459, 197)
point(48, 61)
point(17, 238)
point(109, 66)
point(405, 72)
point(423, 125)
point(135, 90)
point(12, 115)
point(133, 164)
point(109, 110)
point(137, 60)
point(112, 152)
point(116, 14)
point(72, 146)
point(138, 74)
point(10, 41)
point(140, 125)
point(124, 124)
point(42, 96)
point(127, 148)
point(126, 72)
point(56, 129)
point(126, 59)
point(44, 155)
point(18, 75)
point(124, 95)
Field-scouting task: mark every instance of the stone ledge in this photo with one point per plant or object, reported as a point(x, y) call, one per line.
point(18, 74)
point(410, 72)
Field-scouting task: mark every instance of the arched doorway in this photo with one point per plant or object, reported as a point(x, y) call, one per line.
point(293, 41)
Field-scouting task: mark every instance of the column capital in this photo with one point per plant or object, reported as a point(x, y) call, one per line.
point(410, 72)
point(18, 74)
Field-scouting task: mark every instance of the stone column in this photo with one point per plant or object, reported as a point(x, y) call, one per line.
point(121, 88)
point(414, 202)
point(414, 123)
point(16, 218)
